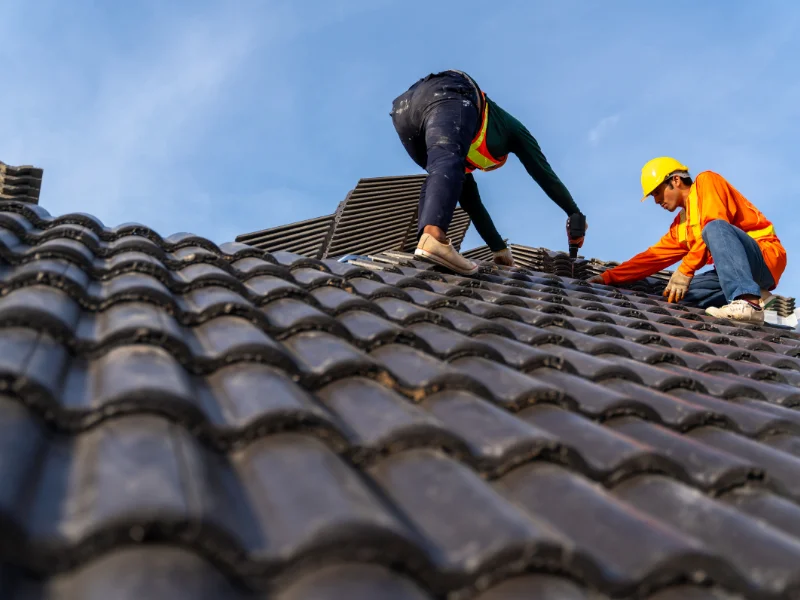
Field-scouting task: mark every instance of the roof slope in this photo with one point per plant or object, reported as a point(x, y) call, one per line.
point(559, 263)
point(180, 420)
point(379, 214)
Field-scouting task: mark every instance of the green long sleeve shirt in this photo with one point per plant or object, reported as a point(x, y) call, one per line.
point(505, 135)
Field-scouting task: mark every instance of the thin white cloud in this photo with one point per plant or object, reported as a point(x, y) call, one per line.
point(603, 127)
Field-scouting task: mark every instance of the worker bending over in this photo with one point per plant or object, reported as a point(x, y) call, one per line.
point(450, 127)
point(718, 225)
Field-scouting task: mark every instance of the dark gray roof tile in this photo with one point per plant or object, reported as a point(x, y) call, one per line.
point(323, 357)
point(751, 417)
point(287, 316)
point(768, 507)
point(336, 301)
point(705, 466)
point(785, 442)
point(781, 468)
point(765, 559)
point(41, 307)
point(625, 547)
point(469, 324)
point(208, 302)
point(540, 586)
point(265, 288)
point(418, 374)
point(668, 408)
point(425, 485)
point(592, 367)
point(353, 582)
point(510, 388)
point(245, 401)
point(406, 313)
point(729, 386)
point(599, 451)
point(597, 401)
point(448, 344)
point(379, 421)
point(372, 289)
point(496, 440)
point(693, 592)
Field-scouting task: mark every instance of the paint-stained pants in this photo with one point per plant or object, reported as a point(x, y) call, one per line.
point(436, 120)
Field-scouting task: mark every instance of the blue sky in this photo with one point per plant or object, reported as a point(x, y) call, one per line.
point(221, 118)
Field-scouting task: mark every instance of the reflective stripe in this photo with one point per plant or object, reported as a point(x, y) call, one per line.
point(760, 233)
point(690, 221)
point(478, 156)
point(682, 229)
point(693, 217)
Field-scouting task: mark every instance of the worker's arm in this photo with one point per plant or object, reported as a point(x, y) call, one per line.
point(527, 150)
point(714, 201)
point(470, 201)
point(659, 256)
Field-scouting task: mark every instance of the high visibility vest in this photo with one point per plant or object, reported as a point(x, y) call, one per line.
point(692, 223)
point(478, 156)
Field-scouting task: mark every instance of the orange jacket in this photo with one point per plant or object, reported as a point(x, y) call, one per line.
point(710, 197)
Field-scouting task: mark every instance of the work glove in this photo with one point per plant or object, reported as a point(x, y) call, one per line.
point(596, 279)
point(503, 257)
point(677, 287)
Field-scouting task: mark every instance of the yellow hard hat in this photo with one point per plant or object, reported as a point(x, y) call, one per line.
point(655, 171)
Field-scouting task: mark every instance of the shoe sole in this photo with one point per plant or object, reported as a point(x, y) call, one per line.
point(442, 263)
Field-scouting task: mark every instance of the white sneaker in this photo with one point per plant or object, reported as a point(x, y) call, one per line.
point(445, 255)
point(738, 310)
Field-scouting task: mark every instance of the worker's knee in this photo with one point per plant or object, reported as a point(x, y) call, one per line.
point(713, 227)
point(445, 158)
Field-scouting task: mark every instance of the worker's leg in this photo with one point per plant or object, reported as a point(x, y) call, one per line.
point(704, 291)
point(436, 119)
point(449, 123)
point(470, 201)
point(739, 261)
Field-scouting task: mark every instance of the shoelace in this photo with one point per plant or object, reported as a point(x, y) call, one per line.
point(740, 306)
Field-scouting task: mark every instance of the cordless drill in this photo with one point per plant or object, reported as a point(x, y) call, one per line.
point(576, 229)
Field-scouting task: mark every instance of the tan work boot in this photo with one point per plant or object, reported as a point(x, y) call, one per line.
point(503, 257)
point(738, 310)
point(445, 255)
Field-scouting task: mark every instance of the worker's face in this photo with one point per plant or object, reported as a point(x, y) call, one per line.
point(668, 196)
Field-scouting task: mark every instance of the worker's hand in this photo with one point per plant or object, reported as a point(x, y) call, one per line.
point(503, 257)
point(596, 279)
point(575, 238)
point(677, 287)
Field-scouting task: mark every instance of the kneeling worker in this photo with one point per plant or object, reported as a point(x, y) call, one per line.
point(450, 127)
point(718, 225)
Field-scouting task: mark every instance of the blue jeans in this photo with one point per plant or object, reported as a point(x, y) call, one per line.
point(740, 268)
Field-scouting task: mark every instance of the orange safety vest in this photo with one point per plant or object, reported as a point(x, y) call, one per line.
point(478, 156)
point(690, 228)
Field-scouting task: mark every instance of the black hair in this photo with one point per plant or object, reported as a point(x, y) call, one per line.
point(685, 178)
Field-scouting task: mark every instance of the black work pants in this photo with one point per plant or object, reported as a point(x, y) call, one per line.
point(436, 120)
